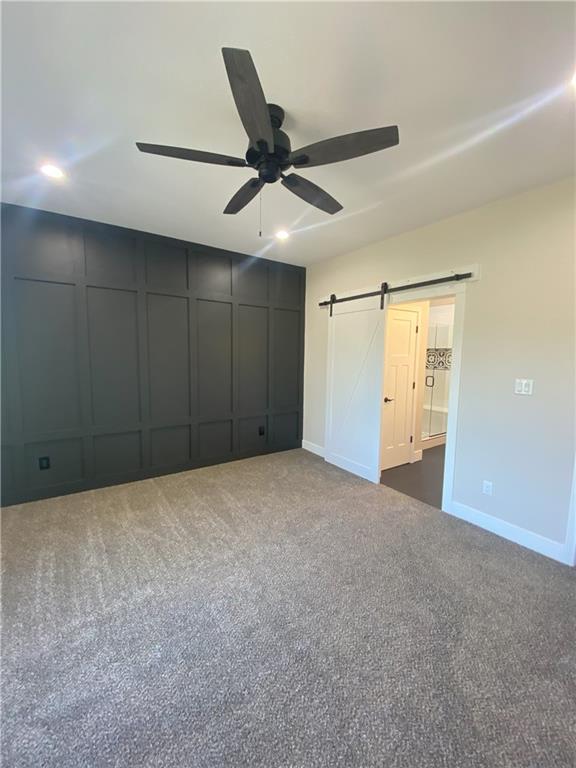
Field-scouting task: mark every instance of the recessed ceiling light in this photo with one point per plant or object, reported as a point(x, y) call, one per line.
point(282, 235)
point(52, 171)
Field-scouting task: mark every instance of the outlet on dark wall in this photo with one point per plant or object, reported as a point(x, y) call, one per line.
point(139, 355)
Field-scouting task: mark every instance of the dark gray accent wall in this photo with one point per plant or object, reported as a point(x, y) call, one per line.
point(127, 355)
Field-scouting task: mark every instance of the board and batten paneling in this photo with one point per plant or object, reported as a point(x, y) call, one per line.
point(127, 355)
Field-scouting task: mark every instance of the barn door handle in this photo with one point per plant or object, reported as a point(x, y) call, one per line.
point(388, 399)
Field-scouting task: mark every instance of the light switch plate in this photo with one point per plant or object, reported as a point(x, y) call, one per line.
point(523, 386)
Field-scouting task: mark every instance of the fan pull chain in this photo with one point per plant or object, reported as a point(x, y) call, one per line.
point(260, 206)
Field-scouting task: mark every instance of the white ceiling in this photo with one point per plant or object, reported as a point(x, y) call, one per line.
point(478, 90)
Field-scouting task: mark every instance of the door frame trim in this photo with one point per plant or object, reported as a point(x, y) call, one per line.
point(458, 290)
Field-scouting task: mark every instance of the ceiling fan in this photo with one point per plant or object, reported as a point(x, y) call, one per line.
point(270, 152)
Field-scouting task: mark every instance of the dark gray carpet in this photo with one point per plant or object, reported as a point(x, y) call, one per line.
point(422, 480)
point(278, 612)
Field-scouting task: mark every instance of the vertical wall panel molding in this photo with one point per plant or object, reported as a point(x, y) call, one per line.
point(47, 355)
point(128, 355)
point(253, 359)
point(214, 338)
point(168, 358)
point(115, 356)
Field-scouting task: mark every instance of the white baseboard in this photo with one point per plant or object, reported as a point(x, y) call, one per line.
point(339, 461)
point(431, 442)
point(313, 448)
point(563, 552)
point(571, 527)
point(554, 549)
point(361, 470)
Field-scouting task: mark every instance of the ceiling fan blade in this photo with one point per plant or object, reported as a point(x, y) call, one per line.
point(311, 193)
point(246, 193)
point(249, 97)
point(345, 147)
point(191, 154)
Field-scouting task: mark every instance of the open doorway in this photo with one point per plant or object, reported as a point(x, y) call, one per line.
point(417, 377)
point(356, 431)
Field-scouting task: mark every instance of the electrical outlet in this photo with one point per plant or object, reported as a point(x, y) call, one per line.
point(523, 386)
point(487, 487)
point(261, 431)
point(44, 462)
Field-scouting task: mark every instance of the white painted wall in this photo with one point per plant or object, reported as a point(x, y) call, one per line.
point(519, 322)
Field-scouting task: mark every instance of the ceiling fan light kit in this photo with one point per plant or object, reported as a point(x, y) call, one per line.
point(269, 152)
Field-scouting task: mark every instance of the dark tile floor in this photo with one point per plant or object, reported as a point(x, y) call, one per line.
point(421, 480)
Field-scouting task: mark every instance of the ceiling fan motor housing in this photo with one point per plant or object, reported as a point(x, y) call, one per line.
point(270, 166)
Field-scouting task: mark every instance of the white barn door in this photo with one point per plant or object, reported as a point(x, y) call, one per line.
point(354, 386)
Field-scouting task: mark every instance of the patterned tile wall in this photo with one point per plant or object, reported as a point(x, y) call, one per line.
point(439, 358)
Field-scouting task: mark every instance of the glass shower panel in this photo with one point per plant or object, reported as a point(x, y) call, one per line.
point(429, 383)
point(438, 370)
